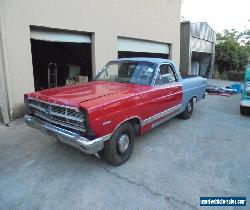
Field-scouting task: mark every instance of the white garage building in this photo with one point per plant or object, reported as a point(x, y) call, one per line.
point(77, 38)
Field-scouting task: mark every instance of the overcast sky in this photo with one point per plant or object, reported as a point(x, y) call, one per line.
point(219, 14)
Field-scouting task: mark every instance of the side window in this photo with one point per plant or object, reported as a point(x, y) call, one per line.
point(110, 71)
point(165, 75)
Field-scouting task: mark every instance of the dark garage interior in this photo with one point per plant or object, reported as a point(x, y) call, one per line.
point(127, 54)
point(55, 63)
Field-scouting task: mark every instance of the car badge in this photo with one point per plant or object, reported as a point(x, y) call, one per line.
point(48, 111)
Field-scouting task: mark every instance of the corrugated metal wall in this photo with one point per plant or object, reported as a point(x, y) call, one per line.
point(203, 31)
point(197, 38)
point(199, 45)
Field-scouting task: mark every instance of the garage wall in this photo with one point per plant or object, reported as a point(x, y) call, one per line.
point(143, 19)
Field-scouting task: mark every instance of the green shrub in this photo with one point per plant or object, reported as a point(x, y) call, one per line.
point(235, 76)
point(216, 74)
point(223, 76)
point(228, 75)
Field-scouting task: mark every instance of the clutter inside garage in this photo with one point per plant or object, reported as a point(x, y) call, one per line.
point(60, 63)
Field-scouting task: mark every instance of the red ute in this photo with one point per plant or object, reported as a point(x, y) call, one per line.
point(127, 98)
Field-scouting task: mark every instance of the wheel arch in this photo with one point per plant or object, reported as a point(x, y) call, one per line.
point(135, 121)
point(195, 99)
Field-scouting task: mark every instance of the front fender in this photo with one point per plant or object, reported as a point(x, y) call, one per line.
point(107, 122)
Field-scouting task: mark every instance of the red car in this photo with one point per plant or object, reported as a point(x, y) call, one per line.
point(127, 98)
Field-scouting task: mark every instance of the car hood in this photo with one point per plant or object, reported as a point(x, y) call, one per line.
point(74, 95)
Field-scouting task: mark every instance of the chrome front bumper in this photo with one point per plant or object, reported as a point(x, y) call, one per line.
point(68, 137)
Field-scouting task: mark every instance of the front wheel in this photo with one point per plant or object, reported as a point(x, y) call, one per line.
point(118, 149)
point(244, 110)
point(187, 113)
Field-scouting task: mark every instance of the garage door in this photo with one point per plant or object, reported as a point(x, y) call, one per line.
point(59, 36)
point(128, 47)
point(60, 58)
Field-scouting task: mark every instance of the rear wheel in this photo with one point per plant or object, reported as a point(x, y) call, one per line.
point(118, 149)
point(187, 113)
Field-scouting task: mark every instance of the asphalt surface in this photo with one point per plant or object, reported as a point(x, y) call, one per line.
point(170, 168)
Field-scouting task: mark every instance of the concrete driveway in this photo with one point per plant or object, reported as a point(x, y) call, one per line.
point(171, 166)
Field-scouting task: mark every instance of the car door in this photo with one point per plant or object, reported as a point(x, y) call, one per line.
point(167, 92)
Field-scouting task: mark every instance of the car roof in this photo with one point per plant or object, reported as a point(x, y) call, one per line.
point(144, 59)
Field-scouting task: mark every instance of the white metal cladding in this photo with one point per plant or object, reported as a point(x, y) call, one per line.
point(199, 45)
point(59, 36)
point(139, 45)
point(203, 31)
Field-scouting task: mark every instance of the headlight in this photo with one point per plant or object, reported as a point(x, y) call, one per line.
point(81, 116)
point(89, 130)
point(27, 108)
point(247, 87)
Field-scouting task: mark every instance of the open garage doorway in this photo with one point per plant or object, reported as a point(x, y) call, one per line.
point(129, 48)
point(201, 64)
point(60, 59)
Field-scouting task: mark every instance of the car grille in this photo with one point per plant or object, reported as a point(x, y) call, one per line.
point(61, 115)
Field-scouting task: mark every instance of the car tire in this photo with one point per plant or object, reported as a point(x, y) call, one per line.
point(119, 147)
point(187, 113)
point(244, 110)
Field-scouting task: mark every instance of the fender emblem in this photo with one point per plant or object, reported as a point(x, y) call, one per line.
point(47, 111)
point(106, 122)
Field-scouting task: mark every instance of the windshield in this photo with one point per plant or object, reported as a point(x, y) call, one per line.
point(127, 72)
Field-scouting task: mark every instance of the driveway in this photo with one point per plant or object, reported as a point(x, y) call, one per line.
point(170, 168)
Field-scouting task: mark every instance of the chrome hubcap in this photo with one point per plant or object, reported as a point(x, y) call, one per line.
point(189, 107)
point(123, 143)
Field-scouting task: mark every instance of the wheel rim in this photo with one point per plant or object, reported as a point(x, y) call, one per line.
point(189, 107)
point(123, 143)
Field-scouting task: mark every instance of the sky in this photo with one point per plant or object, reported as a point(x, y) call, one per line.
point(219, 14)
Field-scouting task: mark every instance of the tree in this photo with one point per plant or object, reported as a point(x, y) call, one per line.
point(232, 50)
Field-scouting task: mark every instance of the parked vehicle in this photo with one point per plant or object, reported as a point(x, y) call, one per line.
point(245, 99)
point(127, 98)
